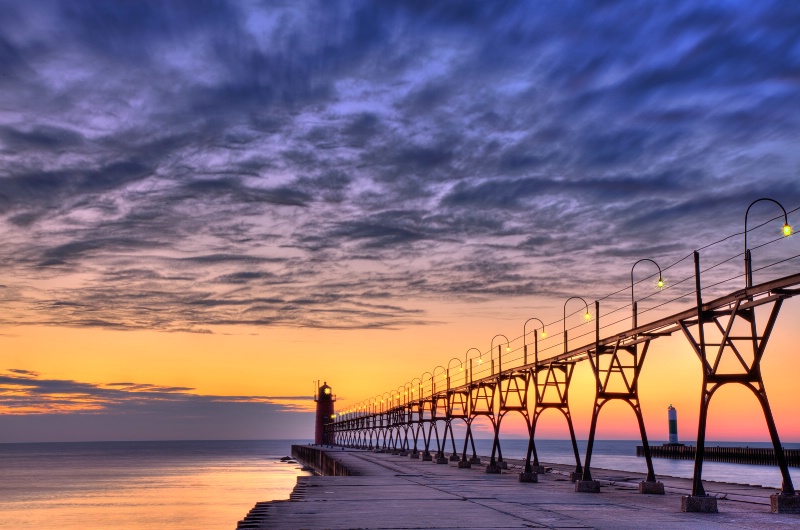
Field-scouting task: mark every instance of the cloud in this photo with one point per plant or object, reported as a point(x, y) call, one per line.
point(25, 392)
point(37, 409)
point(199, 165)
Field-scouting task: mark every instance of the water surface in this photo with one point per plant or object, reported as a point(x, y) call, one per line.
point(135, 485)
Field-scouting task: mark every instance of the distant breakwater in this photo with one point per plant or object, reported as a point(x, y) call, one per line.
point(731, 455)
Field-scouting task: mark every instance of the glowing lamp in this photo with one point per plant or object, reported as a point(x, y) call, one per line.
point(327, 391)
point(587, 316)
point(333, 416)
point(508, 349)
point(787, 230)
point(660, 283)
point(544, 334)
point(480, 361)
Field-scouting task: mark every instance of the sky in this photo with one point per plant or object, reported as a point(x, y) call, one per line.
point(207, 206)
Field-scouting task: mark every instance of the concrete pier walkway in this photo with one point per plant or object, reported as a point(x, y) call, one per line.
point(394, 492)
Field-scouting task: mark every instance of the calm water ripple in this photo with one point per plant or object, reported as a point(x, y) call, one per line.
point(135, 485)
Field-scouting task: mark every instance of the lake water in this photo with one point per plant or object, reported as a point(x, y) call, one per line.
point(207, 484)
point(136, 485)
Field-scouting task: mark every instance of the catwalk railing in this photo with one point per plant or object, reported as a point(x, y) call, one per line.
point(724, 333)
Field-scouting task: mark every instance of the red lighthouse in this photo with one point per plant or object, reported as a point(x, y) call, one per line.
point(325, 414)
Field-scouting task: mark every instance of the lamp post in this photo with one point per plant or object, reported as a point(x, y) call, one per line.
point(386, 398)
point(460, 369)
point(418, 391)
point(787, 231)
point(499, 352)
point(587, 316)
point(426, 455)
point(440, 458)
point(402, 416)
point(535, 340)
point(433, 379)
point(659, 284)
point(470, 363)
point(377, 421)
point(422, 382)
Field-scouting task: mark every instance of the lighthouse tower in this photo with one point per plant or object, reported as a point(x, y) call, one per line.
point(325, 414)
point(672, 416)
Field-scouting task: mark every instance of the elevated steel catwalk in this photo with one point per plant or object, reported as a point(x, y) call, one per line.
point(619, 357)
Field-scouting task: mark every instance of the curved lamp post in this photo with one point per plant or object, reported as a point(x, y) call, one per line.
point(499, 352)
point(433, 382)
point(422, 382)
point(440, 459)
point(787, 231)
point(418, 390)
point(402, 418)
point(460, 369)
point(535, 340)
point(386, 399)
point(587, 316)
point(470, 363)
point(659, 284)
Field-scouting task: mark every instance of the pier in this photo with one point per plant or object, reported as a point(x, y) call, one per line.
point(734, 455)
point(729, 334)
point(390, 491)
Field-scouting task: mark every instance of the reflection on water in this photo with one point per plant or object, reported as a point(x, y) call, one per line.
point(127, 485)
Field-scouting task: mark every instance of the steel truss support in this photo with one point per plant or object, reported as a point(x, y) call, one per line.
point(482, 403)
point(616, 371)
point(428, 426)
point(551, 384)
point(748, 374)
point(442, 403)
point(457, 408)
point(513, 389)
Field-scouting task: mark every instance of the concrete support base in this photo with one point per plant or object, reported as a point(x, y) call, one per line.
point(575, 476)
point(427, 458)
point(780, 503)
point(464, 464)
point(414, 455)
point(587, 486)
point(403, 453)
point(455, 458)
point(528, 477)
point(705, 504)
point(378, 450)
point(651, 488)
point(493, 469)
point(538, 469)
point(475, 460)
point(395, 452)
point(503, 464)
point(441, 460)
